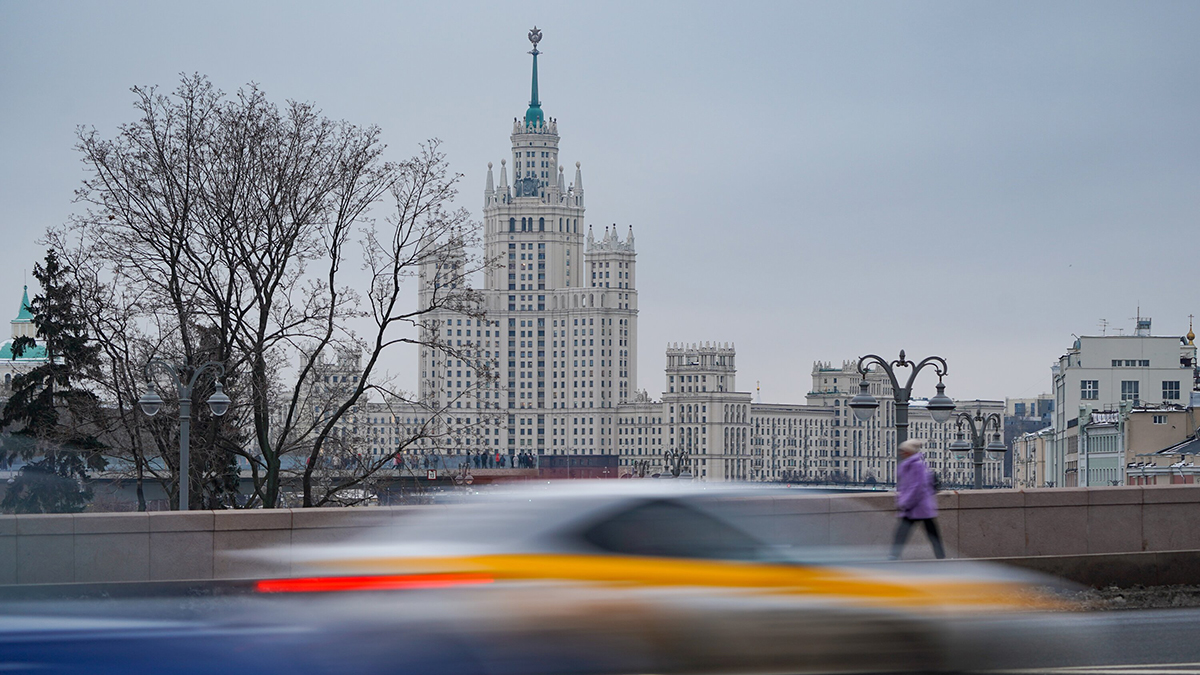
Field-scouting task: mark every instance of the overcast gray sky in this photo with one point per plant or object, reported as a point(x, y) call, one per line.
point(810, 181)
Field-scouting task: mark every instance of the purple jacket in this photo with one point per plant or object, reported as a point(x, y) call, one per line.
point(915, 497)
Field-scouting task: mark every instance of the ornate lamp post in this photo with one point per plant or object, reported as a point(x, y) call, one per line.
point(675, 461)
point(979, 426)
point(864, 404)
point(640, 467)
point(151, 403)
point(463, 476)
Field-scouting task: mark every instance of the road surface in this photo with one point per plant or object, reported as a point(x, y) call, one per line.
point(266, 635)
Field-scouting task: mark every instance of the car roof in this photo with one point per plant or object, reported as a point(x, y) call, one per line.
point(542, 516)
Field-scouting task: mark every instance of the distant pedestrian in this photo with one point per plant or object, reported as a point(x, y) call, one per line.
point(916, 499)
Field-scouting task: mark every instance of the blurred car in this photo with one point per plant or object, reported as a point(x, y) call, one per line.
point(651, 576)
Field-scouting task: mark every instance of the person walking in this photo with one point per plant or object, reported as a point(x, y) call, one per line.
point(916, 499)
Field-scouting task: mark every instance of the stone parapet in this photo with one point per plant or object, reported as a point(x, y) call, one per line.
point(198, 545)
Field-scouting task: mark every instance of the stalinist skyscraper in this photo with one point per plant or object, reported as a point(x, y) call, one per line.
point(561, 326)
point(560, 331)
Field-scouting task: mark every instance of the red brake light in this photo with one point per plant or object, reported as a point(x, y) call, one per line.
point(369, 583)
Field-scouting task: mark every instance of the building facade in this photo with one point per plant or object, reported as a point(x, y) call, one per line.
point(1029, 456)
point(12, 365)
point(1161, 444)
point(1100, 373)
point(1024, 416)
point(560, 334)
point(559, 342)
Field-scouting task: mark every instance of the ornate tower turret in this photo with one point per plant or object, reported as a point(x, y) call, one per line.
point(536, 226)
point(22, 326)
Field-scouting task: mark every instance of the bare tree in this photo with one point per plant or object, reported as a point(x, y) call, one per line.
point(224, 228)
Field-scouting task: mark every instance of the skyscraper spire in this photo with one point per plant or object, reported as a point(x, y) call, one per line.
point(534, 116)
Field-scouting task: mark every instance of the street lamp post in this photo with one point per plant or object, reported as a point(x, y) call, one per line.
point(151, 403)
point(675, 461)
point(864, 404)
point(640, 467)
point(979, 427)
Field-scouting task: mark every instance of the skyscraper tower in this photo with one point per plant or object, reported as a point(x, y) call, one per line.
point(565, 303)
point(537, 215)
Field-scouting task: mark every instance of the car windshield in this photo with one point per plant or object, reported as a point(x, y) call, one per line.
point(669, 529)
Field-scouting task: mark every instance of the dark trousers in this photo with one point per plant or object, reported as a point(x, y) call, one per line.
point(903, 525)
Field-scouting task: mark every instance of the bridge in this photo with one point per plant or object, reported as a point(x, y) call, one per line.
point(1105, 535)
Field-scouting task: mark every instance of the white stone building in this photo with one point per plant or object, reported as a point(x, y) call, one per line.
point(560, 334)
point(1030, 459)
point(10, 364)
point(561, 326)
point(1100, 373)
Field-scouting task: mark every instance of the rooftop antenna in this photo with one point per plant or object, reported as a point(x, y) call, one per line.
point(1142, 325)
point(1103, 327)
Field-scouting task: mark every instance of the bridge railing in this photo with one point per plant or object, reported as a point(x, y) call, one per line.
point(101, 547)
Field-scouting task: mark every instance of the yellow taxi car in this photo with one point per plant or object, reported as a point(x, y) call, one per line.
point(656, 576)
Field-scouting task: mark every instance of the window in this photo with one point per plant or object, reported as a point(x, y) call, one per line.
point(1170, 391)
point(1160, 419)
point(669, 529)
point(1129, 390)
point(1089, 390)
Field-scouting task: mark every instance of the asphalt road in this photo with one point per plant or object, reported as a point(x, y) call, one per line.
point(1119, 642)
point(267, 635)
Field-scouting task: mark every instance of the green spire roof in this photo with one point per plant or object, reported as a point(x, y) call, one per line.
point(23, 314)
point(534, 115)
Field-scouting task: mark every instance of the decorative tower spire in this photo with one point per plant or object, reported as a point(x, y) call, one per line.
point(503, 177)
point(22, 326)
point(23, 313)
point(489, 189)
point(1191, 336)
point(534, 116)
point(578, 179)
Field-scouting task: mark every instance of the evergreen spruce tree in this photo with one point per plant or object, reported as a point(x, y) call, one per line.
point(45, 420)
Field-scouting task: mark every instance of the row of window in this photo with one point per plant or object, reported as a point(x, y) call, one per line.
point(526, 224)
point(1089, 390)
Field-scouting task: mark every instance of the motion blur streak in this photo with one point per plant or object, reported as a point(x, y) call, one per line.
point(368, 583)
point(578, 579)
point(879, 589)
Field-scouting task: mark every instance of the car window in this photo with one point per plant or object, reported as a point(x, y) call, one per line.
point(670, 529)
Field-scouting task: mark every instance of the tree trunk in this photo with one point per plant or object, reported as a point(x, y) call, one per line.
point(271, 493)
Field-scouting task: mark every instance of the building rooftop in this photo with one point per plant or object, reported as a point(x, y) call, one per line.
point(34, 353)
